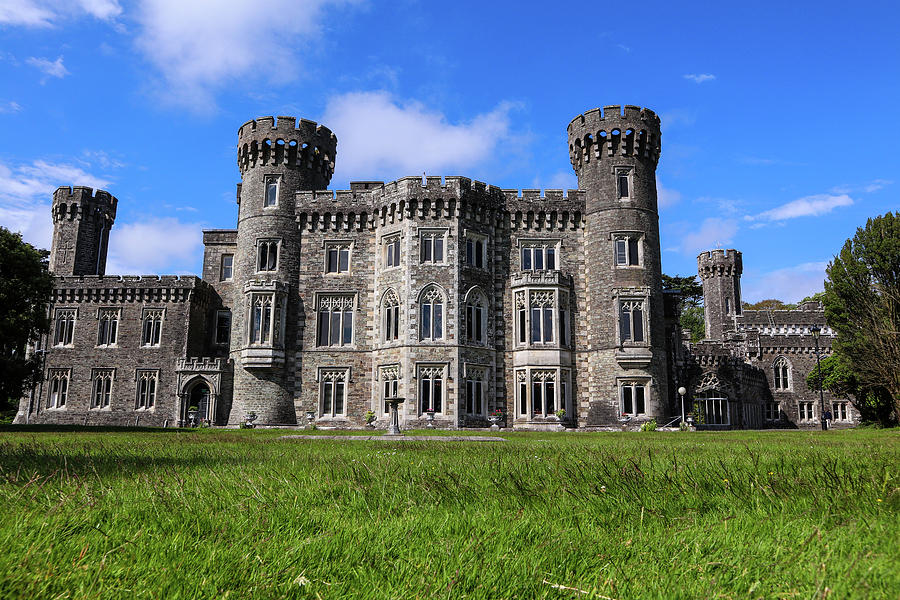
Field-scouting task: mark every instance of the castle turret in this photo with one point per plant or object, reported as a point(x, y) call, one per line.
point(615, 153)
point(81, 223)
point(720, 271)
point(276, 159)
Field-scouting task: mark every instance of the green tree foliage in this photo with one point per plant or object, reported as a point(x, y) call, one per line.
point(838, 378)
point(25, 288)
point(769, 304)
point(862, 305)
point(691, 317)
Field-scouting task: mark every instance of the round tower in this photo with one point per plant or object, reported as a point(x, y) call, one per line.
point(720, 272)
point(81, 223)
point(614, 153)
point(276, 159)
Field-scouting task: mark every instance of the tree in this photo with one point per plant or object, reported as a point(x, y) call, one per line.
point(25, 288)
point(691, 317)
point(873, 404)
point(769, 304)
point(862, 305)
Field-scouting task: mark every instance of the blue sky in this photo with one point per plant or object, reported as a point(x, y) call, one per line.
point(779, 119)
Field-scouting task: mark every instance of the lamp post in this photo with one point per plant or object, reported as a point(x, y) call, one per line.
point(682, 392)
point(816, 330)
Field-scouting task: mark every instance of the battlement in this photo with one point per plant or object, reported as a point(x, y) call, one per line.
point(265, 141)
point(81, 201)
point(720, 262)
point(597, 134)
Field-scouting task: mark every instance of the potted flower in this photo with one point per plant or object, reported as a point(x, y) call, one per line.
point(429, 418)
point(494, 417)
point(370, 418)
point(249, 417)
point(561, 414)
point(192, 415)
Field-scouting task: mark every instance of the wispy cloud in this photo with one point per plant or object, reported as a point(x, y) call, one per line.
point(808, 206)
point(712, 232)
point(50, 68)
point(699, 77)
point(154, 245)
point(789, 284)
point(48, 13)
point(10, 107)
point(873, 186)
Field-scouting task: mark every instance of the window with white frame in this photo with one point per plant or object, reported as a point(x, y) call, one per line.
point(807, 411)
point(58, 385)
point(226, 270)
point(475, 389)
point(431, 388)
point(773, 411)
point(390, 320)
point(476, 250)
point(335, 320)
point(539, 255)
point(432, 245)
point(564, 320)
point(624, 182)
point(476, 316)
point(64, 329)
point(223, 327)
point(392, 251)
point(522, 391)
point(101, 387)
point(631, 321)
point(333, 392)
point(521, 318)
point(147, 384)
point(431, 314)
point(271, 198)
point(337, 257)
point(633, 398)
point(266, 318)
point(627, 250)
point(840, 411)
point(390, 385)
point(267, 255)
point(782, 372)
point(543, 392)
point(542, 303)
point(151, 326)
point(108, 326)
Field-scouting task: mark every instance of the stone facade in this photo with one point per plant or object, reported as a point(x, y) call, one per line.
point(462, 298)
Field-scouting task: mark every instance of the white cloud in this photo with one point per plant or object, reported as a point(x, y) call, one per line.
point(808, 206)
point(789, 284)
point(47, 13)
point(711, 233)
point(699, 77)
point(666, 197)
point(154, 246)
point(49, 68)
point(200, 45)
point(873, 186)
point(10, 107)
point(381, 137)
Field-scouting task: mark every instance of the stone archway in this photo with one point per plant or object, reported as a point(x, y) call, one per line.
point(201, 393)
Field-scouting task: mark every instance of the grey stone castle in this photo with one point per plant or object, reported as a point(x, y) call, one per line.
point(464, 299)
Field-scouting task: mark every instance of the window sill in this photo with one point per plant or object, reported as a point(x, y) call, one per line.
point(262, 357)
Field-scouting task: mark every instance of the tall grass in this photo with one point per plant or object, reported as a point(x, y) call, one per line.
point(245, 514)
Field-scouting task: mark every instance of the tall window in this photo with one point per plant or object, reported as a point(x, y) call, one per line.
point(333, 386)
point(108, 327)
point(226, 272)
point(390, 308)
point(431, 388)
point(564, 319)
point(773, 411)
point(390, 380)
point(337, 257)
point(475, 251)
point(807, 411)
point(522, 391)
point(431, 326)
point(623, 182)
point(223, 327)
point(267, 255)
point(151, 330)
point(64, 330)
point(631, 321)
point(840, 412)
point(521, 318)
point(633, 398)
point(392, 251)
point(542, 316)
point(431, 246)
point(335, 320)
point(271, 192)
point(627, 251)
point(543, 392)
point(782, 371)
point(476, 317)
point(147, 382)
point(101, 387)
point(59, 388)
point(475, 388)
point(266, 319)
point(539, 256)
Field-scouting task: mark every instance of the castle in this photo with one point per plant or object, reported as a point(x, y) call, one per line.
point(465, 300)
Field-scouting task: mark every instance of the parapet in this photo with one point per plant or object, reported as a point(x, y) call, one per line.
point(267, 141)
point(81, 201)
point(721, 262)
point(596, 134)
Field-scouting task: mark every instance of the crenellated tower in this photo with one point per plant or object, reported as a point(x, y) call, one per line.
point(81, 223)
point(614, 153)
point(720, 272)
point(277, 158)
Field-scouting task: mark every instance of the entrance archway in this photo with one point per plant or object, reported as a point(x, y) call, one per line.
point(200, 397)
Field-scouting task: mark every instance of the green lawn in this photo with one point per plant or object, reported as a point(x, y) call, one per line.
point(244, 514)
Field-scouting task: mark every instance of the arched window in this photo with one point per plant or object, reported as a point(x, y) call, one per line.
point(431, 325)
point(782, 372)
point(390, 308)
point(476, 316)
